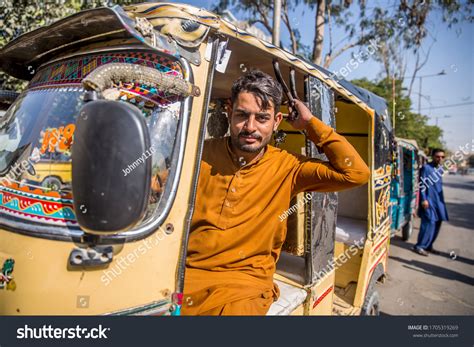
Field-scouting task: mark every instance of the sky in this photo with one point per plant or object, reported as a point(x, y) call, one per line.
point(452, 53)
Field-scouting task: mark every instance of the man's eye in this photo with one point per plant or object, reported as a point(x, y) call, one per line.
point(262, 119)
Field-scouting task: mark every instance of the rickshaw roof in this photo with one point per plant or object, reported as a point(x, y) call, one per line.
point(407, 142)
point(32, 48)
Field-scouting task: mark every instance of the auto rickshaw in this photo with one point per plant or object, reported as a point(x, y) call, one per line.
point(405, 185)
point(129, 96)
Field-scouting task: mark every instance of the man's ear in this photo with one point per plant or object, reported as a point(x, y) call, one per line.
point(228, 109)
point(278, 119)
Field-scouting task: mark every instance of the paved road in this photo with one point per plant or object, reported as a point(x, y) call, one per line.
point(437, 284)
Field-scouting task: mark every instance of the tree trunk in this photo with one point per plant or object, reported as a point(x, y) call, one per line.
point(319, 32)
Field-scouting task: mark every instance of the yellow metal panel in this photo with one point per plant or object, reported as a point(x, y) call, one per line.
point(351, 119)
point(294, 242)
point(322, 297)
point(349, 271)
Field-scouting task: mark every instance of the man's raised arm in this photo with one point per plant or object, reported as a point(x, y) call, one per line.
point(345, 169)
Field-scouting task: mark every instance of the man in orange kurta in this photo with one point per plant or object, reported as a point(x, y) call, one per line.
point(244, 186)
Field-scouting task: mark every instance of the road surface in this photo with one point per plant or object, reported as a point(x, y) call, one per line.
point(437, 284)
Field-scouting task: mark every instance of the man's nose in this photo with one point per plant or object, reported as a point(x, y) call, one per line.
point(250, 124)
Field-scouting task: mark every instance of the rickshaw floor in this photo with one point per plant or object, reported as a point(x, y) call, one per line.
point(343, 300)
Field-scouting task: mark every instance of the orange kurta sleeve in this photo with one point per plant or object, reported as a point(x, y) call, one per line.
point(345, 169)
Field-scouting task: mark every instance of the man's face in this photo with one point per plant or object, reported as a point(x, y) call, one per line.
point(438, 158)
point(251, 127)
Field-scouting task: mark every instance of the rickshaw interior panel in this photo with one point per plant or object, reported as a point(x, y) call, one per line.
point(353, 124)
point(352, 219)
point(244, 58)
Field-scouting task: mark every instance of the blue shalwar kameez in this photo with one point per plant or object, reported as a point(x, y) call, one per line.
point(431, 189)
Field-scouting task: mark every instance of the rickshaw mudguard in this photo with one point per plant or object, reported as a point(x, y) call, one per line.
point(22, 56)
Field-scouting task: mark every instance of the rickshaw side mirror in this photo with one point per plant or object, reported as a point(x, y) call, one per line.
point(111, 171)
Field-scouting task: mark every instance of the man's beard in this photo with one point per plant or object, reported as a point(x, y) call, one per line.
point(249, 148)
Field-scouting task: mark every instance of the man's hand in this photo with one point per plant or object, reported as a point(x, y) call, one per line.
point(425, 204)
point(304, 115)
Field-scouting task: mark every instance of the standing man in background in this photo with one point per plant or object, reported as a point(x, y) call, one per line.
point(433, 209)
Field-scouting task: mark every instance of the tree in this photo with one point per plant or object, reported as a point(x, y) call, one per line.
point(19, 17)
point(408, 124)
point(400, 25)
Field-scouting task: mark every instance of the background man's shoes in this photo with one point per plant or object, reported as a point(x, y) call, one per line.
point(420, 251)
point(434, 251)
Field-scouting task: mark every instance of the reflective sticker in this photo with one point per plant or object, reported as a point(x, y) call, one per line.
point(6, 278)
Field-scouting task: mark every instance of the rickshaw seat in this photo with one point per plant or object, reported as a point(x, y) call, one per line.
point(290, 298)
point(349, 230)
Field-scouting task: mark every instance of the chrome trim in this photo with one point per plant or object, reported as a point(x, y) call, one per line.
point(197, 169)
point(162, 306)
point(39, 56)
point(69, 233)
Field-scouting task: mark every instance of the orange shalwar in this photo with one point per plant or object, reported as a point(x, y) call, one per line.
point(236, 233)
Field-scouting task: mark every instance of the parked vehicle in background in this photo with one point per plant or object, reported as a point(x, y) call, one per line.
point(404, 195)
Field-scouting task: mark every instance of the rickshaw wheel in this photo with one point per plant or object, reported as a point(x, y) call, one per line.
point(371, 305)
point(52, 183)
point(407, 230)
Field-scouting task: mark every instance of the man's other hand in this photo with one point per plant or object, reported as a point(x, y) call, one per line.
point(304, 116)
point(425, 204)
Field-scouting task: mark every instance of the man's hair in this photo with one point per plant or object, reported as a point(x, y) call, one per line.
point(436, 150)
point(260, 84)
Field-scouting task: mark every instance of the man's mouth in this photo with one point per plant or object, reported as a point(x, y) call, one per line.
point(250, 138)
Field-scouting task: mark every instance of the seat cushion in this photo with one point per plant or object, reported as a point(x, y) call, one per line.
point(290, 298)
point(350, 230)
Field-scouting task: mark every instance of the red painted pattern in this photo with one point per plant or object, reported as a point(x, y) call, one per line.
point(24, 202)
point(373, 268)
point(380, 244)
point(322, 296)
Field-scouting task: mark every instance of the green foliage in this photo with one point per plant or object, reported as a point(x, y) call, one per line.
point(19, 17)
point(408, 124)
point(401, 25)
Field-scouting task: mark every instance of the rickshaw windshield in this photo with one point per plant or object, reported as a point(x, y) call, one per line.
point(37, 137)
point(33, 118)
